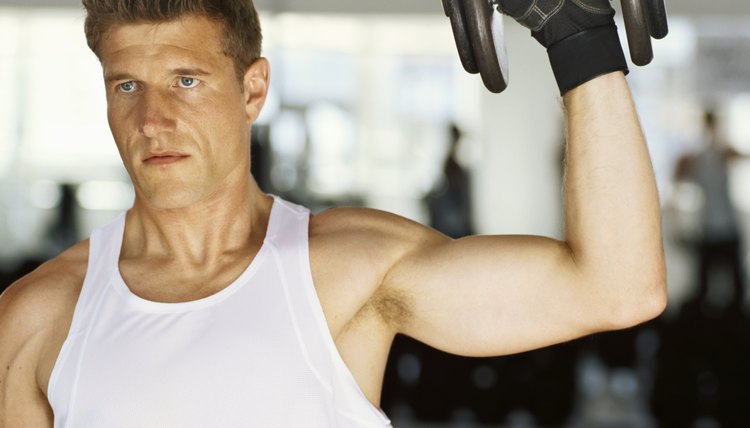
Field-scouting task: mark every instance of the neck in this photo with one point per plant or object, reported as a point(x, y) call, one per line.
point(232, 221)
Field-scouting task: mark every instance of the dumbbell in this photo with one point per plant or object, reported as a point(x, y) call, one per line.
point(478, 31)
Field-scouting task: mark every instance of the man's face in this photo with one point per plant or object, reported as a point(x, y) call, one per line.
point(178, 114)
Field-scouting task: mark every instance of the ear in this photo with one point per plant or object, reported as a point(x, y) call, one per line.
point(255, 87)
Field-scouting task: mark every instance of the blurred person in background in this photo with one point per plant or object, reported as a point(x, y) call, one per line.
point(718, 243)
point(701, 374)
point(212, 303)
point(449, 204)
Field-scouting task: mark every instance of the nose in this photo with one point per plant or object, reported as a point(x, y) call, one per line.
point(155, 114)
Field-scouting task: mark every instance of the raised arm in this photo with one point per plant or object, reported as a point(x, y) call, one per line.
point(612, 210)
point(496, 295)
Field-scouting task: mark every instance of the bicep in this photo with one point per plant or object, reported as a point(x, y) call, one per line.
point(494, 295)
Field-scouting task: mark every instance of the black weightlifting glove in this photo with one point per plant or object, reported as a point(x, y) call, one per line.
point(580, 36)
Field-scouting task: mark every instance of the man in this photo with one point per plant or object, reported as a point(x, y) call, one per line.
point(210, 303)
point(449, 204)
point(718, 242)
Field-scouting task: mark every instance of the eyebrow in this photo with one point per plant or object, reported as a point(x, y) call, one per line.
point(190, 72)
point(117, 76)
point(183, 71)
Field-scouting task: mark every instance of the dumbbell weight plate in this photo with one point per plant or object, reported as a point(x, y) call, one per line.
point(480, 18)
point(657, 19)
point(454, 11)
point(634, 12)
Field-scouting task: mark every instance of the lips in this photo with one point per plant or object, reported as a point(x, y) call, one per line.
point(164, 158)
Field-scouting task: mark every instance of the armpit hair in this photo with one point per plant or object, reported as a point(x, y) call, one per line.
point(393, 307)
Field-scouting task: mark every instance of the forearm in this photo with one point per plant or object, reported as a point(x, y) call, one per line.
point(612, 213)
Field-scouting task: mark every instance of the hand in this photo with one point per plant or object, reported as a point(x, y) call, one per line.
point(580, 36)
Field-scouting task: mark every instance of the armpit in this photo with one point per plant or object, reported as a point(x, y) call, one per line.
point(393, 307)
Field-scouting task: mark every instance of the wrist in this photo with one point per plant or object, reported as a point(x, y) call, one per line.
point(597, 92)
point(586, 55)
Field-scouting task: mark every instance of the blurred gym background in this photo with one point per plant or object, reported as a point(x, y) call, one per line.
point(369, 106)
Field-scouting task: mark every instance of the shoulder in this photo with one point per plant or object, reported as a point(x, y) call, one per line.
point(40, 305)
point(354, 250)
point(396, 233)
point(378, 238)
point(50, 286)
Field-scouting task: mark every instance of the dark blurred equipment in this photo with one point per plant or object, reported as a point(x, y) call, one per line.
point(702, 371)
point(480, 40)
point(427, 385)
point(260, 161)
point(64, 232)
point(449, 204)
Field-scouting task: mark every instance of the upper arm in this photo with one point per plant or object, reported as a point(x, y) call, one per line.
point(476, 296)
point(35, 314)
point(489, 295)
point(498, 295)
point(22, 403)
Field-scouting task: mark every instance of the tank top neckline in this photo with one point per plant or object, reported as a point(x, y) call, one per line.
point(119, 284)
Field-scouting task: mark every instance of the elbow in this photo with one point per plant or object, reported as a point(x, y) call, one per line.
point(642, 301)
point(654, 304)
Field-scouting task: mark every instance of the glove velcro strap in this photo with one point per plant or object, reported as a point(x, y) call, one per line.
point(583, 56)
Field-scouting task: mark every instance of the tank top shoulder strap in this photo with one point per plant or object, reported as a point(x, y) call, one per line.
point(289, 234)
point(287, 222)
point(104, 253)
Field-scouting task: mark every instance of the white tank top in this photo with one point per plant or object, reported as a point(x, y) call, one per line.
point(256, 354)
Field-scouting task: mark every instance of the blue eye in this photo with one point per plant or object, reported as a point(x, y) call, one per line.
point(127, 87)
point(188, 82)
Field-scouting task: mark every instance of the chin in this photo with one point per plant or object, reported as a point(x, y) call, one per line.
point(168, 200)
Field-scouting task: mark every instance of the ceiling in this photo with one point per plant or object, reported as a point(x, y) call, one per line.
point(676, 7)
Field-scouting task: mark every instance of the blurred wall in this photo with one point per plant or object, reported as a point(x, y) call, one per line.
point(518, 187)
